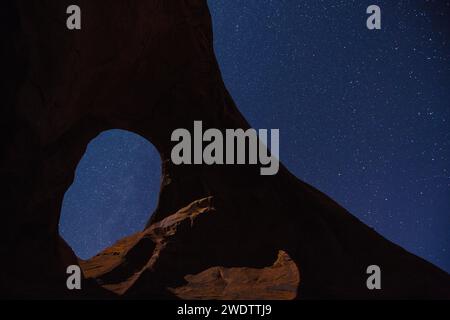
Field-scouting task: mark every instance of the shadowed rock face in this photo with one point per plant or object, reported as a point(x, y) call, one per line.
point(219, 231)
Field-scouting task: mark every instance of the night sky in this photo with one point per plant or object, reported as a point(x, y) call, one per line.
point(114, 193)
point(364, 116)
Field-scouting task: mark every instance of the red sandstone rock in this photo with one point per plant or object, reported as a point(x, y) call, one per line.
point(149, 67)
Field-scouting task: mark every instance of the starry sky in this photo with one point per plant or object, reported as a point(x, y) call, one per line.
point(364, 116)
point(115, 191)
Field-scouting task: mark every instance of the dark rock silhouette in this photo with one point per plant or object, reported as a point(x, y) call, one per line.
point(219, 231)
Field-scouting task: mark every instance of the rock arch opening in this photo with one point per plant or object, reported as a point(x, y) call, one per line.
point(114, 192)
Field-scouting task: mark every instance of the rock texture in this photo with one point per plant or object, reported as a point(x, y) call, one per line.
point(219, 231)
point(277, 282)
point(151, 254)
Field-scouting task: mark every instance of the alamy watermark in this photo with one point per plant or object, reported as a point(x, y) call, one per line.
point(236, 146)
point(374, 280)
point(73, 21)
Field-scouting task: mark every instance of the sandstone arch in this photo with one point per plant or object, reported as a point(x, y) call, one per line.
point(149, 67)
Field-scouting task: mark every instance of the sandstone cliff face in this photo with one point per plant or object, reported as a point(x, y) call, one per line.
point(219, 231)
point(166, 252)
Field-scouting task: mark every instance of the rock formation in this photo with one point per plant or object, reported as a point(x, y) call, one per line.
point(218, 231)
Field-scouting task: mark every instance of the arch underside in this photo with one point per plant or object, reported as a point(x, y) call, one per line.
point(224, 229)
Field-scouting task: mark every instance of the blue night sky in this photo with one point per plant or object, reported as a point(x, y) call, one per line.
point(364, 116)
